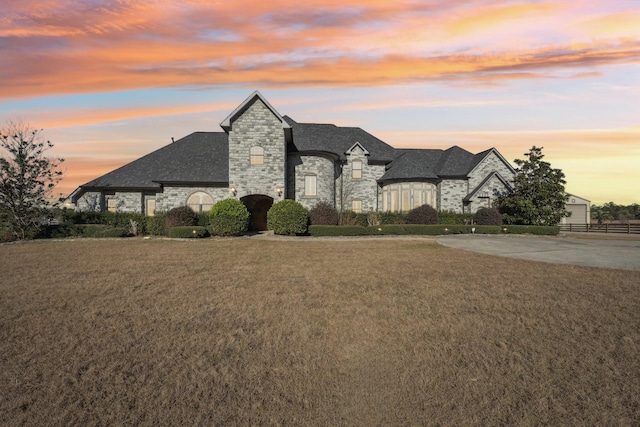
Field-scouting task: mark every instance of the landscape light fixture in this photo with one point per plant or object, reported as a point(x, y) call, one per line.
point(232, 190)
point(279, 190)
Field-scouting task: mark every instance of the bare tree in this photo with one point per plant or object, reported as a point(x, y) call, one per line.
point(27, 179)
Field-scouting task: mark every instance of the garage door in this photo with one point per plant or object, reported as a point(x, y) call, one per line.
point(578, 214)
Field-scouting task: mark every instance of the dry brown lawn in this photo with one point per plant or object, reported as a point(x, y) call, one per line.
point(311, 332)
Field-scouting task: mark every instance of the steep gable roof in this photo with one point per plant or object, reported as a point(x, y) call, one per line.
point(313, 137)
point(455, 162)
point(202, 157)
point(240, 109)
point(481, 156)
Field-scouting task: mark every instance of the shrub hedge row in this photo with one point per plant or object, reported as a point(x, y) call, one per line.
point(431, 230)
point(188, 232)
point(292, 218)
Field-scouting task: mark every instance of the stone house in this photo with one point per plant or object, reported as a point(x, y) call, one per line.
point(262, 157)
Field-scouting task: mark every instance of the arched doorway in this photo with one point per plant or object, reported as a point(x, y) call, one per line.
point(258, 205)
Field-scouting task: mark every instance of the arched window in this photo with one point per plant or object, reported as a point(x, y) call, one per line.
point(200, 202)
point(257, 155)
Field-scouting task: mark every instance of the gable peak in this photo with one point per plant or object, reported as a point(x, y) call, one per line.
point(240, 109)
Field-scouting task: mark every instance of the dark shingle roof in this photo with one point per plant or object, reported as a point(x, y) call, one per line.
point(431, 164)
point(337, 140)
point(455, 162)
point(414, 164)
point(202, 157)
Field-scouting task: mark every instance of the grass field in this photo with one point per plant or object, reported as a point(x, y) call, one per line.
point(311, 332)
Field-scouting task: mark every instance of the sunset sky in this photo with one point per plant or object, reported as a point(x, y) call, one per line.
point(110, 81)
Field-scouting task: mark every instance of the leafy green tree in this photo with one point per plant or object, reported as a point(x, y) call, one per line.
point(27, 179)
point(538, 196)
point(611, 211)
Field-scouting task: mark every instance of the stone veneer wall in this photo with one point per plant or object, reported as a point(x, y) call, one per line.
point(90, 201)
point(257, 126)
point(491, 163)
point(493, 186)
point(173, 197)
point(451, 192)
point(365, 189)
point(323, 168)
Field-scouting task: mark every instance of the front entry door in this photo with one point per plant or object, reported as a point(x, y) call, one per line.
point(258, 206)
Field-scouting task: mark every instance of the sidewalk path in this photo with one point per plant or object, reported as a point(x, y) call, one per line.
point(623, 253)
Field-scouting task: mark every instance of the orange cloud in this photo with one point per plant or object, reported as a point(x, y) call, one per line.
point(65, 47)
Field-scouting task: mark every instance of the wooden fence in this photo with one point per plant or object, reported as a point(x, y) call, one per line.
point(602, 228)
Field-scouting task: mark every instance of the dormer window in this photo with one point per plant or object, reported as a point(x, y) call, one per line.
point(257, 155)
point(356, 169)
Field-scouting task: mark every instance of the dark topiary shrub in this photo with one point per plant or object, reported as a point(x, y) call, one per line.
point(188, 232)
point(323, 213)
point(229, 217)
point(288, 217)
point(488, 216)
point(424, 214)
point(180, 217)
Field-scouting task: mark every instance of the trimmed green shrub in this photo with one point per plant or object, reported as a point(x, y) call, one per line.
point(451, 217)
point(389, 229)
point(229, 217)
point(337, 230)
point(424, 214)
point(288, 217)
point(91, 230)
point(204, 219)
point(323, 213)
point(188, 232)
point(123, 220)
point(155, 224)
point(180, 217)
point(114, 232)
point(539, 230)
point(393, 217)
point(488, 216)
point(60, 231)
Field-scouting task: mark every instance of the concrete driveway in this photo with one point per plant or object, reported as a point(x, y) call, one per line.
point(619, 253)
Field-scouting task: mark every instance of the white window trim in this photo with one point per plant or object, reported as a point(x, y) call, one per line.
point(307, 193)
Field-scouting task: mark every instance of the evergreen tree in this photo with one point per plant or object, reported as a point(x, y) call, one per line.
point(27, 178)
point(538, 196)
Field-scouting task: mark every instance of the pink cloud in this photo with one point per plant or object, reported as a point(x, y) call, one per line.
point(55, 48)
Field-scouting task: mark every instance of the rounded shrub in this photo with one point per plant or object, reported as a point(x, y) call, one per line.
point(323, 213)
point(229, 217)
point(487, 216)
point(288, 217)
point(180, 217)
point(424, 214)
